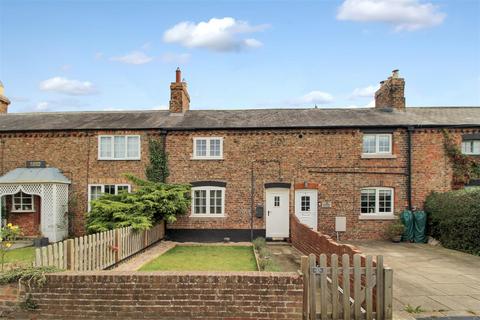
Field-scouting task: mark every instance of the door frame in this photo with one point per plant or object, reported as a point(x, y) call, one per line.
point(285, 233)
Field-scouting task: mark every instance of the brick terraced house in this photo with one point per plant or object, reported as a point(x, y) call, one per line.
point(249, 169)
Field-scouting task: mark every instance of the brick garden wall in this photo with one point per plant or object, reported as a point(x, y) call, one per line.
point(170, 295)
point(308, 241)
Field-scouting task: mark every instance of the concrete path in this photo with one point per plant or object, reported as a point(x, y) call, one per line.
point(151, 253)
point(442, 282)
point(286, 256)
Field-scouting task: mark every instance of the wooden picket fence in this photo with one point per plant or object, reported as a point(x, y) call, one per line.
point(98, 251)
point(336, 290)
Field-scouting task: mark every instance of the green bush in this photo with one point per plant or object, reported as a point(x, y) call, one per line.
point(148, 204)
point(454, 219)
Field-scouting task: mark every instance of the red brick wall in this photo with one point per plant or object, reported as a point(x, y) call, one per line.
point(329, 159)
point(9, 299)
point(27, 221)
point(308, 241)
point(172, 295)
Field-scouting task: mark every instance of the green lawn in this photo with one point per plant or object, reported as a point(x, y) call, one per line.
point(204, 258)
point(22, 255)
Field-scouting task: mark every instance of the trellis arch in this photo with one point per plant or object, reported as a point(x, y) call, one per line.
point(53, 209)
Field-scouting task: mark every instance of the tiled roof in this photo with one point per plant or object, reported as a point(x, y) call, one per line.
point(241, 119)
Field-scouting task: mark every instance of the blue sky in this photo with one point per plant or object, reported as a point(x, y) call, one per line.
point(119, 55)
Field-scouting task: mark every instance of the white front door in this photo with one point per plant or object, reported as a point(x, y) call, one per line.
point(277, 221)
point(306, 207)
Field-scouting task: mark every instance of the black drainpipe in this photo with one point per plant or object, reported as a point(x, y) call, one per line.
point(409, 167)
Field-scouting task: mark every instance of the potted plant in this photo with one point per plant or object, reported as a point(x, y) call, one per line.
point(395, 231)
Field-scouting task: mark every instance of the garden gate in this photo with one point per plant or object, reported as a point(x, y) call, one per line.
point(336, 289)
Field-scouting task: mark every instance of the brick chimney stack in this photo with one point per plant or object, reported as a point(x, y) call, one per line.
point(179, 97)
point(391, 95)
point(4, 102)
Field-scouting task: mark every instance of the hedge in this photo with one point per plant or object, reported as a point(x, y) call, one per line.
point(454, 219)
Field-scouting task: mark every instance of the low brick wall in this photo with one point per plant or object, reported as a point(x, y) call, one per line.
point(9, 298)
point(308, 241)
point(170, 295)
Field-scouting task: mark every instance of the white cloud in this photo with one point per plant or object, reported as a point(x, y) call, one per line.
point(175, 58)
point(407, 15)
point(221, 35)
point(98, 55)
point(68, 86)
point(313, 97)
point(371, 104)
point(134, 57)
point(42, 106)
point(366, 92)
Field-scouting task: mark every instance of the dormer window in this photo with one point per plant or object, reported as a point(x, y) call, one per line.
point(208, 148)
point(377, 144)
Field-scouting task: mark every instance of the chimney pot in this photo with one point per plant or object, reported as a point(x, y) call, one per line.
point(395, 73)
point(178, 75)
point(179, 97)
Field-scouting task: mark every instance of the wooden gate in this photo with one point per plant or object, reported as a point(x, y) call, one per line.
point(336, 289)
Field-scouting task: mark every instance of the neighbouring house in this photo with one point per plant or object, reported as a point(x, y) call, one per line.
point(249, 169)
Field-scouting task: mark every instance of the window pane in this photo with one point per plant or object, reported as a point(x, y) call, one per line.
point(95, 192)
point(385, 201)
point(215, 147)
point(305, 203)
point(369, 141)
point(384, 143)
point(368, 201)
point(122, 189)
point(119, 147)
point(276, 201)
point(201, 148)
point(133, 144)
point(109, 188)
point(105, 147)
point(476, 147)
point(200, 201)
point(466, 147)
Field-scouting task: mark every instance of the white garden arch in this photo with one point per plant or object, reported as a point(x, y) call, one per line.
point(52, 187)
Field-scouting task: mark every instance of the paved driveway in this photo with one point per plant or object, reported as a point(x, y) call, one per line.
point(443, 282)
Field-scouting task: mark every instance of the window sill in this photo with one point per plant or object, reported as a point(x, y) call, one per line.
point(196, 158)
point(123, 159)
point(377, 217)
point(207, 216)
point(22, 211)
point(378, 156)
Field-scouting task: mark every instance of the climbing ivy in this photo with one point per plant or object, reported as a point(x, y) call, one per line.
point(157, 170)
point(464, 167)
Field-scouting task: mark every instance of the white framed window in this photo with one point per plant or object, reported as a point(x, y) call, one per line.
point(208, 148)
point(378, 143)
point(208, 202)
point(305, 203)
point(471, 147)
point(116, 147)
point(95, 191)
point(22, 202)
point(377, 201)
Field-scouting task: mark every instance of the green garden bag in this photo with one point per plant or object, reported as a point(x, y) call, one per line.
point(420, 224)
point(408, 221)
